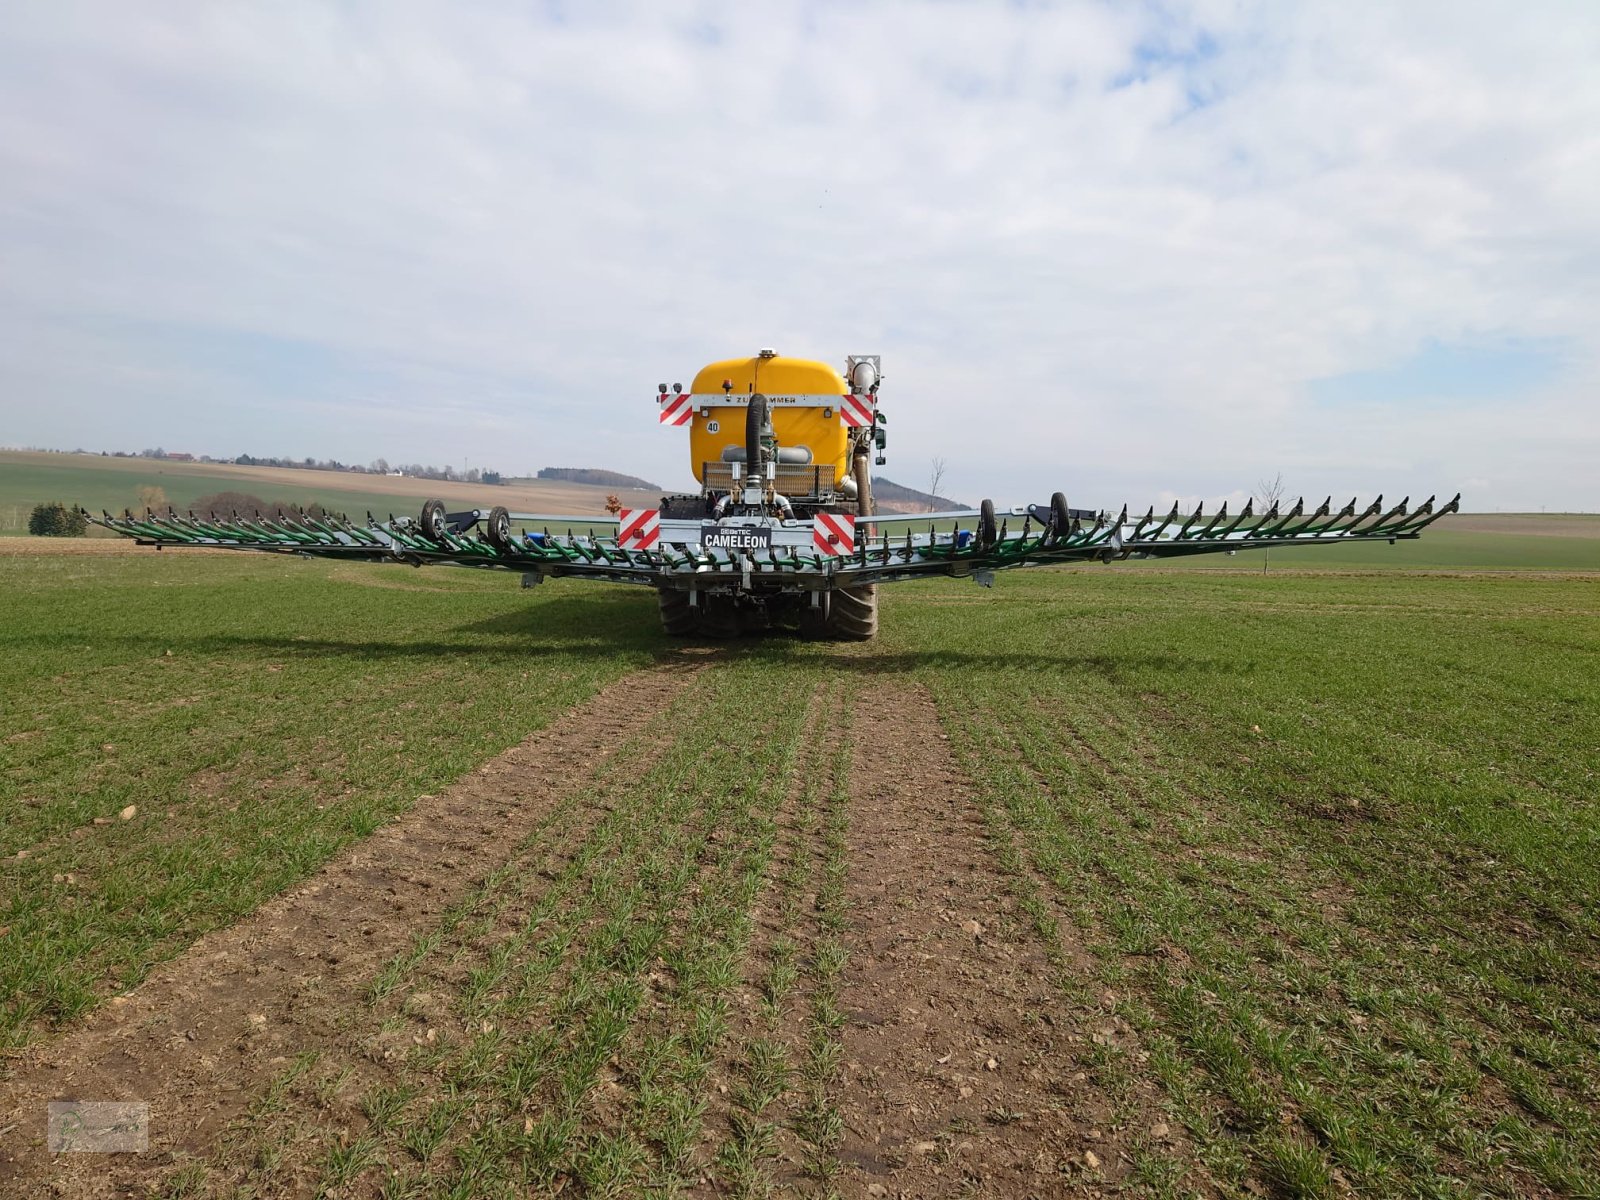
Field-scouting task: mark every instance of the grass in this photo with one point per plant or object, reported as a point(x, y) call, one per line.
point(586, 1015)
point(1329, 840)
point(257, 716)
point(1336, 843)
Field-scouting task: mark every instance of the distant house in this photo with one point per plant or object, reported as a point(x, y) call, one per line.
point(180, 457)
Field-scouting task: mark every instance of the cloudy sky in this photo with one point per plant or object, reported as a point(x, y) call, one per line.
point(1130, 251)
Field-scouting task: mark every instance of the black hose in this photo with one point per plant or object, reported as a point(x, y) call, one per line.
point(755, 423)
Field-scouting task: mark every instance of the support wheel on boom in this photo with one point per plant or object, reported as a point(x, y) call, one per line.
point(988, 535)
point(433, 522)
point(1060, 516)
point(498, 530)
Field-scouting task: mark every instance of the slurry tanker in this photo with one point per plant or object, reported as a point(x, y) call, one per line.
point(781, 531)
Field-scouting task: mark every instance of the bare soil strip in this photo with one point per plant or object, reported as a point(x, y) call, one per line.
point(963, 1071)
point(206, 1031)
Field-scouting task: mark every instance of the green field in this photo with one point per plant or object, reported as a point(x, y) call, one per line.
point(1441, 548)
point(1325, 847)
point(112, 484)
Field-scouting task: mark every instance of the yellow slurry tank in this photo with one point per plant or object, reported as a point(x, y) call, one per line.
point(803, 398)
point(767, 429)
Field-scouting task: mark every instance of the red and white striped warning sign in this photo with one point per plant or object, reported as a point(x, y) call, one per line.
point(834, 533)
point(855, 411)
point(677, 410)
point(638, 528)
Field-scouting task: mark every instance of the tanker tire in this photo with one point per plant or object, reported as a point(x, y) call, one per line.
point(853, 614)
point(812, 621)
point(715, 617)
point(718, 618)
point(678, 619)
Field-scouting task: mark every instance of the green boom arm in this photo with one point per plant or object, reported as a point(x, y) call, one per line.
point(887, 548)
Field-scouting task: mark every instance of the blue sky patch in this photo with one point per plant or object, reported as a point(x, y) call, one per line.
point(1469, 372)
point(1154, 57)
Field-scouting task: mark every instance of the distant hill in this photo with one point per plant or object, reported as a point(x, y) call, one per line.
point(897, 498)
point(598, 478)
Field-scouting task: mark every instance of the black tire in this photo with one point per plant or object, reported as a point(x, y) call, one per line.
point(853, 614)
point(678, 619)
point(715, 617)
point(988, 533)
point(1060, 518)
point(498, 529)
point(812, 622)
point(718, 618)
point(433, 524)
point(755, 422)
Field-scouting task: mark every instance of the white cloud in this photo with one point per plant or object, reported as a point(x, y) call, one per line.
point(1100, 247)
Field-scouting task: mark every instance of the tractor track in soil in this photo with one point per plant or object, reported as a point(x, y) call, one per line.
point(207, 1030)
point(964, 1073)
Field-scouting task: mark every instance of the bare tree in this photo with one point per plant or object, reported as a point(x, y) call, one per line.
point(935, 478)
point(1269, 494)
